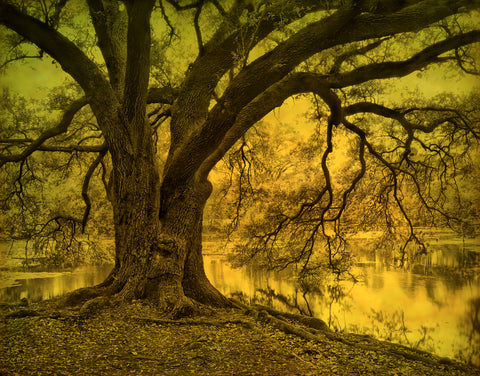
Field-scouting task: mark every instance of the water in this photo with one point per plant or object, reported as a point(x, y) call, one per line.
point(435, 305)
point(45, 285)
point(433, 313)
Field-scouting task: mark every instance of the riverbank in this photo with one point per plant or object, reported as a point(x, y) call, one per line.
point(43, 339)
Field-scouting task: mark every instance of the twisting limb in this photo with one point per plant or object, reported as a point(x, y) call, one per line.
point(307, 250)
point(299, 82)
point(244, 185)
point(355, 181)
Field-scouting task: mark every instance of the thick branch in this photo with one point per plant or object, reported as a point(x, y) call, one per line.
point(202, 142)
point(73, 148)
point(272, 97)
point(220, 54)
point(402, 68)
point(356, 52)
point(310, 82)
point(138, 59)
point(343, 26)
point(110, 28)
point(165, 95)
point(70, 57)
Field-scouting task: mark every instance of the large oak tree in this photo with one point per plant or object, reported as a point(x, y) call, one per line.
point(251, 57)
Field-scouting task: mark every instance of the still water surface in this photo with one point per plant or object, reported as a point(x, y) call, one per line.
point(434, 306)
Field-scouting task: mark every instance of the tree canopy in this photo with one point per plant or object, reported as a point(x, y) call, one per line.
point(158, 93)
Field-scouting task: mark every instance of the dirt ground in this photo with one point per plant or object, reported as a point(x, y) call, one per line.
point(136, 340)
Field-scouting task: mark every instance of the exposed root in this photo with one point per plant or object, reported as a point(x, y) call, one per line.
point(94, 306)
point(202, 291)
point(80, 296)
point(205, 321)
point(22, 313)
point(309, 322)
point(187, 307)
point(313, 330)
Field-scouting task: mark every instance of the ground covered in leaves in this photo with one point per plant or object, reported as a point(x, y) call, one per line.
point(134, 339)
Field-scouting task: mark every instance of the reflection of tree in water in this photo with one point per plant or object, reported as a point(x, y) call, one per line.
point(471, 352)
point(383, 325)
point(455, 278)
point(296, 303)
point(391, 327)
point(307, 292)
point(430, 286)
point(268, 296)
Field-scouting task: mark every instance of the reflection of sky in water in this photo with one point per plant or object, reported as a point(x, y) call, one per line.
point(440, 303)
point(424, 301)
point(45, 285)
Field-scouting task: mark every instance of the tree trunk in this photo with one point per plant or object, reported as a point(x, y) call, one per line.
point(158, 245)
point(195, 282)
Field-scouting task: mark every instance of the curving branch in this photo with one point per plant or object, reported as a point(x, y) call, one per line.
point(172, 32)
point(344, 26)
point(37, 144)
point(364, 107)
point(394, 187)
point(73, 148)
point(418, 61)
point(220, 54)
point(302, 82)
point(271, 98)
point(437, 151)
point(70, 57)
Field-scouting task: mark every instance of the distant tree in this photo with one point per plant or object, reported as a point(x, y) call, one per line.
point(250, 56)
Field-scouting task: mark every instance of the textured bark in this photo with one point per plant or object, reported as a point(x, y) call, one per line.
point(158, 251)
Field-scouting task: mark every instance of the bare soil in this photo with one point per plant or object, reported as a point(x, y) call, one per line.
point(135, 339)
